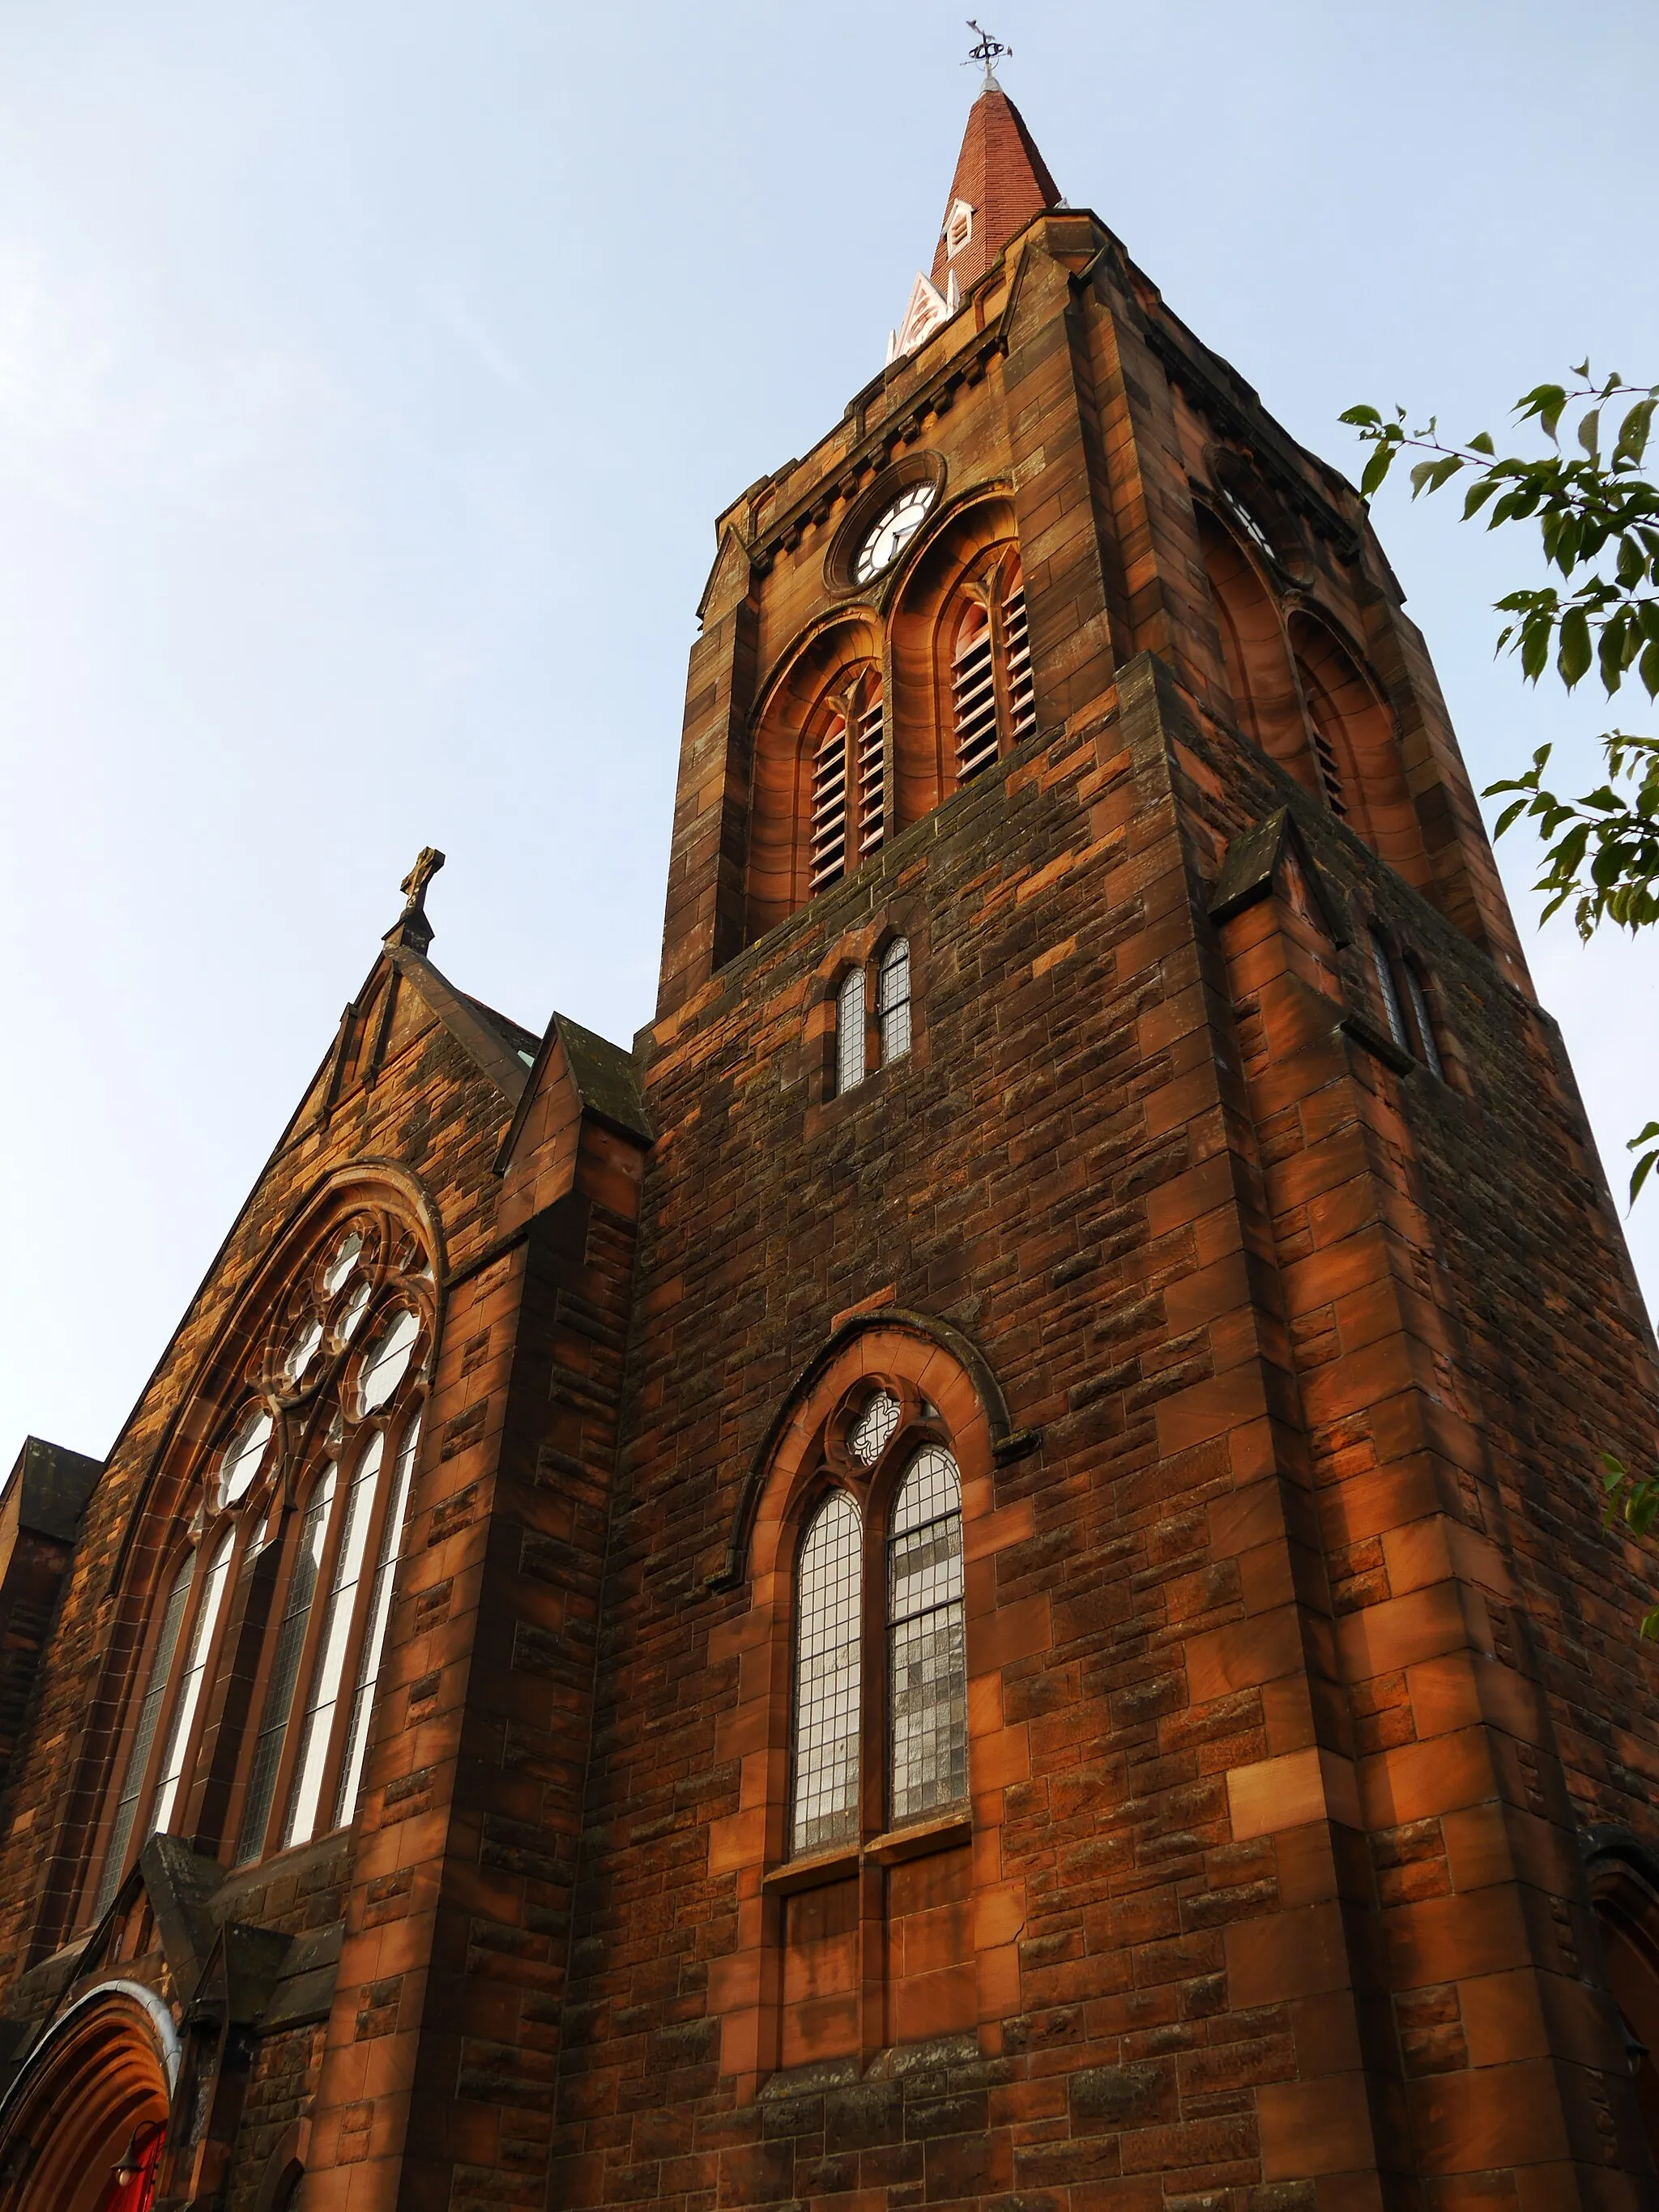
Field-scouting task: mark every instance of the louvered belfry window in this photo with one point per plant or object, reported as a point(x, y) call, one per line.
point(974, 692)
point(992, 696)
point(849, 783)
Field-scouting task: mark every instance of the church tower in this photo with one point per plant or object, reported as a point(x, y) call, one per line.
point(974, 1576)
point(1113, 1689)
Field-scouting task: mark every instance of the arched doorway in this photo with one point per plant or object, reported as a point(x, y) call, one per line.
point(83, 2127)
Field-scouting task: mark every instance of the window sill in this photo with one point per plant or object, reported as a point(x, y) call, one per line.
point(943, 1834)
point(839, 1865)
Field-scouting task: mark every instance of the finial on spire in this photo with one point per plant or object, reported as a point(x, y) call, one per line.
point(987, 52)
point(411, 927)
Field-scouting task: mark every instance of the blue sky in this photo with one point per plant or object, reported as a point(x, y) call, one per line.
point(370, 377)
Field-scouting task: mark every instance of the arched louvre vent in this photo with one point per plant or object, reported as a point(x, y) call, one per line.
point(872, 813)
point(828, 860)
point(1022, 694)
point(973, 694)
point(1330, 773)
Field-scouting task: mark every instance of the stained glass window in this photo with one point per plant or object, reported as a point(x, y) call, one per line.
point(927, 1645)
point(243, 1454)
point(380, 1605)
point(305, 1792)
point(828, 1673)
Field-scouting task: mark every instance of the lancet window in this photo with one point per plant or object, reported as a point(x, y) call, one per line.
point(923, 1687)
point(993, 700)
point(300, 1511)
point(892, 1028)
point(849, 805)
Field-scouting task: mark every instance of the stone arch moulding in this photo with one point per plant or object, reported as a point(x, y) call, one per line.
point(1008, 1443)
point(109, 2065)
point(403, 1192)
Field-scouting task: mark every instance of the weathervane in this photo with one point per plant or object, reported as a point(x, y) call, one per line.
point(987, 52)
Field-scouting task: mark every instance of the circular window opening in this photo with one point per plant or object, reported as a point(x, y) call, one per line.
point(867, 1437)
point(345, 1259)
point(387, 1361)
point(244, 1454)
point(303, 1350)
point(346, 1326)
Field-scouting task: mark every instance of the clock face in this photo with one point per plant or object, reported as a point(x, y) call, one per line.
point(892, 531)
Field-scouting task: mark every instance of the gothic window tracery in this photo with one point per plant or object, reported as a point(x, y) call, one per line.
point(849, 803)
point(321, 1438)
point(922, 1622)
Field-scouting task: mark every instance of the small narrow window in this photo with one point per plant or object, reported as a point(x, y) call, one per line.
point(380, 1606)
point(958, 229)
point(828, 857)
point(285, 1668)
point(849, 1032)
point(927, 1637)
point(973, 693)
point(144, 1734)
point(1390, 991)
point(1017, 643)
point(305, 1792)
point(828, 1675)
point(1425, 1021)
point(190, 1685)
point(893, 1000)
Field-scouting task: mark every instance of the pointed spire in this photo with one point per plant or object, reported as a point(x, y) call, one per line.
point(1001, 182)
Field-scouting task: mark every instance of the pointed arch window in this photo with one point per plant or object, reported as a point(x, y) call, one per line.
point(828, 1670)
point(893, 1000)
point(1388, 990)
point(850, 1045)
point(849, 782)
point(1423, 1020)
point(190, 1687)
point(339, 1368)
point(992, 695)
point(927, 1640)
point(144, 1734)
point(920, 1614)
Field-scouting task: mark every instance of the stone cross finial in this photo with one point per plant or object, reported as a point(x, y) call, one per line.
point(411, 927)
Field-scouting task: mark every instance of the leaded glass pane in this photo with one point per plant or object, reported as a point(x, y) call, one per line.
point(867, 1437)
point(1385, 984)
point(380, 1605)
point(285, 1670)
point(190, 1688)
point(928, 1641)
point(324, 1695)
point(245, 1450)
point(849, 1032)
point(893, 1000)
point(827, 1670)
point(1425, 1023)
point(144, 1734)
point(388, 1362)
point(345, 1259)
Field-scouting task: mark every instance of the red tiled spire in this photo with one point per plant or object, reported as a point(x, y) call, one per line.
point(1001, 176)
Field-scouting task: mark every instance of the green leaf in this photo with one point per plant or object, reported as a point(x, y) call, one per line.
point(1643, 1169)
point(1589, 431)
point(1481, 442)
point(1574, 657)
point(1376, 469)
point(1360, 417)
